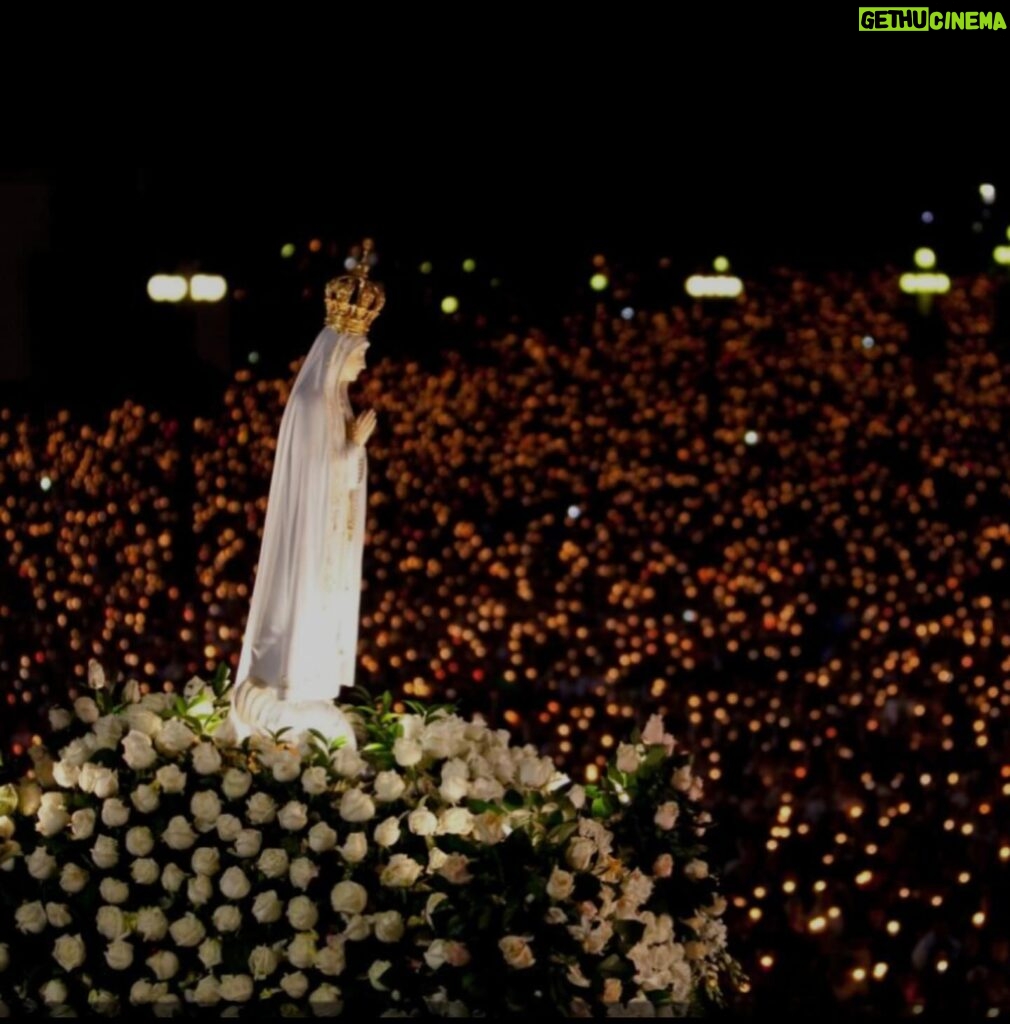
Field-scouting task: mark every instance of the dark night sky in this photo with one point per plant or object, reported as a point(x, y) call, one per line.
point(816, 149)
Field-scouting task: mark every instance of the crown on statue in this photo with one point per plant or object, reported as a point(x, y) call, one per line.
point(353, 301)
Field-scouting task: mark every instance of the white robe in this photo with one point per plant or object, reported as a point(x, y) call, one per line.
point(302, 632)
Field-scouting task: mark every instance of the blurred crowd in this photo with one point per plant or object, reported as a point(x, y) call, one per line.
point(782, 522)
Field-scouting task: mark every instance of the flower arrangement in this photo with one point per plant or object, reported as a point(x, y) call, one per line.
point(438, 870)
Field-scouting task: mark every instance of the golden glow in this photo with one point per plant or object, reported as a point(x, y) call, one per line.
point(167, 288)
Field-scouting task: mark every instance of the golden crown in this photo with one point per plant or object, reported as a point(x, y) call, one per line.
point(353, 301)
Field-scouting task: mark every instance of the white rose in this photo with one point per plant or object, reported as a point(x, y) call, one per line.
point(114, 891)
point(286, 766)
point(456, 821)
point(236, 988)
point(228, 828)
point(315, 780)
point(666, 815)
point(115, 813)
point(301, 951)
point(355, 806)
point(139, 841)
point(535, 772)
point(628, 759)
point(144, 871)
point(267, 908)
point(145, 798)
point(152, 925)
point(171, 778)
point(131, 692)
point(200, 890)
point(206, 759)
point(143, 992)
point(422, 822)
point(407, 752)
point(348, 762)
point(375, 973)
point(108, 731)
point(206, 860)
point(143, 719)
point(106, 783)
point(235, 783)
point(401, 872)
point(263, 961)
point(580, 853)
point(86, 710)
point(89, 772)
point(322, 837)
point(105, 854)
point(331, 960)
point(293, 816)
point(358, 928)
point(119, 955)
point(234, 884)
point(59, 718)
point(454, 867)
point(172, 878)
point(389, 786)
point(179, 835)
point(696, 870)
point(194, 688)
point(295, 985)
point(175, 737)
point(273, 863)
point(302, 914)
point(517, 952)
point(205, 808)
point(261, 809)
point(577, 796)
point(111, 923)
point(66, 774)
point(560, 884)
point(302, 872)
point(73, 878)
point(96, 675)
point(77, 753)
point(207, 991)
point(30, 918)
point(68, 951)
point(663, 866)
point(29, 797)
point(41, 864)
point(348, 897)
point(227, 918)
point(52, 815)
point(248, 843)
point(682, 779)
point(164, 965)
point(58, 915)
point(326, 1001)
point(210, 953)
point(355, 848)
point(389, 926)
point(138, 750)
point(158, 702)
point(54, 992)
point(187, 931)
point(388, 833)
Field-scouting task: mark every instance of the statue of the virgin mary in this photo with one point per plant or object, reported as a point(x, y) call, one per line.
point(300, 644)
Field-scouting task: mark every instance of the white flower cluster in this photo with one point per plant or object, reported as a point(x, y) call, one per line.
point(221, 875)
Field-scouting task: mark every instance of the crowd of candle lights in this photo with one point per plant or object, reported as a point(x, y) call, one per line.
point(776, 521)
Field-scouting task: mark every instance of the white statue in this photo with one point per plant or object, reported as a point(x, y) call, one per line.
point(300, 644)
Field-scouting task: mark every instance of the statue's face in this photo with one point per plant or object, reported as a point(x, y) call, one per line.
point(355, 362)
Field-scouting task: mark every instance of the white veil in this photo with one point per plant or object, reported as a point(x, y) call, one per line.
point(302, 631)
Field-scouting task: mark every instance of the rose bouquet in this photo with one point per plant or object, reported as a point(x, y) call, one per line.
point(438, 870)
